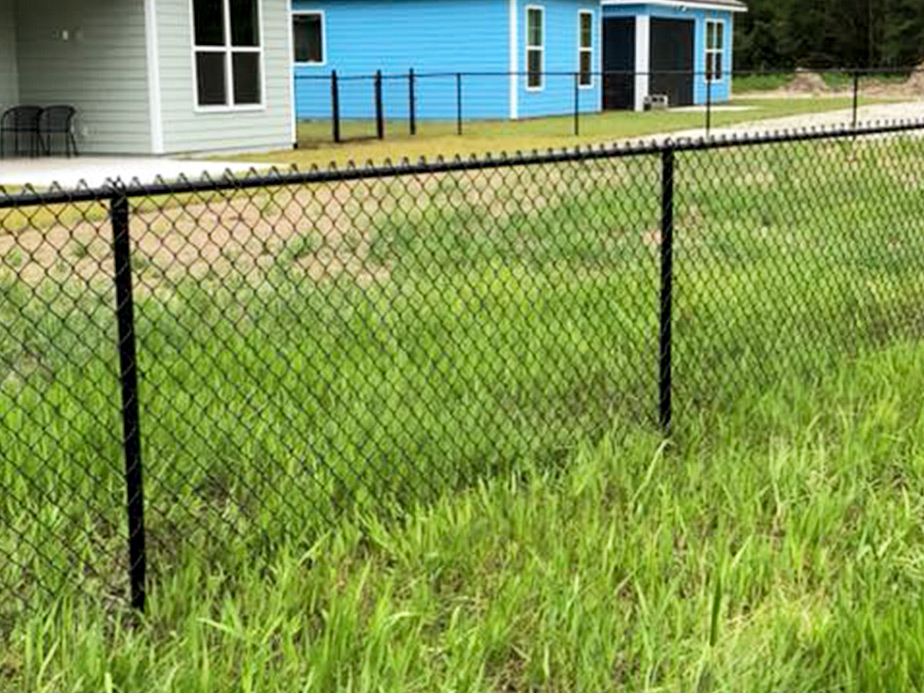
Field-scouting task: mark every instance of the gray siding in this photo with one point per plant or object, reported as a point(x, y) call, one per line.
point(188, 130)
point(9, 81)
point(101, 68)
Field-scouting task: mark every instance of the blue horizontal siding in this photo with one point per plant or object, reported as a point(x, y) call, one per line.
point(439, 38)
point(431, 36)
point(561, 56)
point(721, 89)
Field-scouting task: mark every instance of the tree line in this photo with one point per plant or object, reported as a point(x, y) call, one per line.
point(829, 33)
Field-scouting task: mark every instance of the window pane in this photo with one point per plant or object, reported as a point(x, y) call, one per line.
point(586, 77)
point(534, 68)
point(710, 35)
point(720, 35)
point(210, 79)
point(534, 29)
point(308, 46)
point(717, 74)
point(245, 25)
point(246, 68)
point(209, 19)
point(586, 30)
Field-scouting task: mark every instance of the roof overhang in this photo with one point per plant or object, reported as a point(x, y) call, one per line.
point(681, 4)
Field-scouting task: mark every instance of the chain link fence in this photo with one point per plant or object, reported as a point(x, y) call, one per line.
point(334, 106)
point(266, 354)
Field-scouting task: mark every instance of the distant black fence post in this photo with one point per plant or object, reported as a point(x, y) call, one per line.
point(128, 373)
point(577, 104)
point(458, 103)
point(412, 102)
point(708, 104)
point(856, 98)
point(335, 106)
point(667, 281)
point(379, 110)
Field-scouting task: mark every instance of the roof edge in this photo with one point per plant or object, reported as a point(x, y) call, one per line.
point(684, 4)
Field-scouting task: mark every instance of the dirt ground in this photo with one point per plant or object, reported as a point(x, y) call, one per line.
point(806, 83)
point(322, 230)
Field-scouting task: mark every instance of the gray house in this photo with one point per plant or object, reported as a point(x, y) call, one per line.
point(155, 76)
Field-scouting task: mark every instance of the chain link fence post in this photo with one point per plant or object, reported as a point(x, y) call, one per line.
point(667, 281)
point(335, 106)
point(379, 108)
point(412, 102)
point(128, 376)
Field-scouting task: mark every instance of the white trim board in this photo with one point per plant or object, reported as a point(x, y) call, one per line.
point(678, 4)
point(155, 104)
point(642, 60)
point(514, 59)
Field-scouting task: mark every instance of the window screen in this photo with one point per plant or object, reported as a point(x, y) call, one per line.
point(209, 19)
point(586, 47)
point(715, 49)
point(535, 46)
point(309, 38)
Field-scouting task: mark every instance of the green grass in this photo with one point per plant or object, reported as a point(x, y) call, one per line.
point(439, 138)
point(431, 333)
point(776, 547)
point(744, 83)
point(838, 81)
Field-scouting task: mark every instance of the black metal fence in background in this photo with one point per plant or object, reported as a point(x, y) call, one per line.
point(340, 107)
point(273, 352)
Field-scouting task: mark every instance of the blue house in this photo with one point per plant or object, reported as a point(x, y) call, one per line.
point(508, 59)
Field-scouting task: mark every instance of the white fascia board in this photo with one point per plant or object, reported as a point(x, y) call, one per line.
point(678, 4)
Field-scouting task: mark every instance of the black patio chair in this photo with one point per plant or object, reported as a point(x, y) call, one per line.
point(19, 121)
point(58, 120)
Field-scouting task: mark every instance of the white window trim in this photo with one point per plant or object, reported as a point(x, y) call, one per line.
point(541, 49)
point(228, 50)
point(714, 51)
point(309, 63)
point(590, 49)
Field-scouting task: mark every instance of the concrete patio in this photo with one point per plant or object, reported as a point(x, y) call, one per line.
point(95, 171)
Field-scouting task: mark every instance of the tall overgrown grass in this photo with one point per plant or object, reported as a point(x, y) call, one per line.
point(775, 546)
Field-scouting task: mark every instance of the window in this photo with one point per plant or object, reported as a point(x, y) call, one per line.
point(308, 32)
point(535, 47)
point(228, 53)
point(715, 49)
point(585, 48)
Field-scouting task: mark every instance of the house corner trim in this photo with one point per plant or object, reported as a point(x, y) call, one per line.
point(512, 10)
point(153, 59)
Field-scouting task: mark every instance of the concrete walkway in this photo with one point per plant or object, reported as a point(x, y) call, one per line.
point(911, 110)
point(95, 171)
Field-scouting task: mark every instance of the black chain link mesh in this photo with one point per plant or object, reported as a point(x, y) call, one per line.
point(368, 340)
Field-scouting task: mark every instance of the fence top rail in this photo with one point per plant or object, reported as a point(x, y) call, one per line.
point(399, 75)
point(114, 189)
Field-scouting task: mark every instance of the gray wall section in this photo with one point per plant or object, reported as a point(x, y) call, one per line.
point(189, 130)
point(101, 68)
point(9, 80)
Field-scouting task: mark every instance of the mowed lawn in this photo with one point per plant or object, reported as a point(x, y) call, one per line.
point(481, 137)
point(397, 434)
